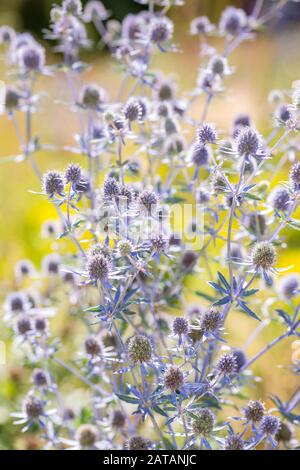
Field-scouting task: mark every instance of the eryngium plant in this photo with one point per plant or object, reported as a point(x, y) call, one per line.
point(158, 374)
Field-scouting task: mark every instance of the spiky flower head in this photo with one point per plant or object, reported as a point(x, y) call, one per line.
point(188, 261)
point(125, 247)
point(254, 411)
point(165, 90)
point(24, 325)
point(148, 201)
point(87, 435)
point(201, 25)
point(40, 324)
point(263, 255)
point(284, 113)
point(270, 425)
point(73, 7)
point(211, 320)
point(111, 187)
point(73, 173)
point(242, 120)
point(280, 198)
point(17, 302)
point(132, 110)
point(159, 243)
point(93, 345)
point(232, 21)
point(289, 285)
point(200, 154)
point(234, 442)
point(240, 358)
point(7, 34)
point(138, 443)
point(161, 30)
point(295, 176)
point(203, 423)
point(180, 326)
point(118, 419)
point(100, 249)
point(206, 134)
point(31, 57)
point(227, 364)
point(34, 407)
point(24, 268)
point(248, 141)
point(132, 27)
point(53, 183)
point(97, 267)
point(51, 264)
point(40, 377)
point(92, 96)
point(173, 378)
point(217, 65)
point(12, 99)
point(139, 348)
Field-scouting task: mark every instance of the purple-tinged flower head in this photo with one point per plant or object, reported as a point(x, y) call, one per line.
point(34, 408)
point(40, 378)
point(139, 349)
point(242, 119)
point(24, 268)
point(201, 25)
point(99, 249)
point(174, 145)
point(263, 255)
point(87, 435)
point(92, 97)
point(248, 141)
point(23, 325)
point(254, 411)
point(206, 80)
point(51, 264)
point(180, 326)
point(53, 183)
point(232, 21)
point(295, 176)
point(189, 260)
point(138, 443)
point(159, 243)
point(240, 358)
point(68, 278)
point(17, 302)
point(206, 134)
point(95, 10)
point(40, 324)
point(7, 34)
point(31, 58)
point(93, 346)
point(165, 90)
point(211, 320)
point(132, 110)
point(284, 433)
point(73, 173)
point(202, 195)
point(269, 425)
point(12, 99)
point(218, 65)
point(83, 185)
point(111, 188)
point(280, 198)
point(173, 378)
point(200, 154)
point(73, 7)
point(289, 285)
point(148, 201)
point(234, 442)
point(125, 247)
point(126, 194)
point(160, 30)
point(227, 364)
point(203, 422)
point(132, 27)
point(118, 419)
point(97, 267)
point(68, 414)
point(284, 113)
point(218, 183)
point(275, 96)
point(49, 229)
point(163, 109)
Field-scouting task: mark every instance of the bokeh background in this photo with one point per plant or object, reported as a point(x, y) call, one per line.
point(272, 61)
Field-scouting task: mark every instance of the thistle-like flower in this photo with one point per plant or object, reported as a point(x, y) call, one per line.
point(139, 349)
